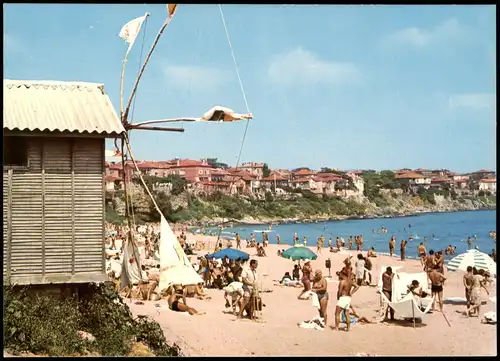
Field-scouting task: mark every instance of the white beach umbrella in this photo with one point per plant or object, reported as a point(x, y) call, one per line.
point(473, 258)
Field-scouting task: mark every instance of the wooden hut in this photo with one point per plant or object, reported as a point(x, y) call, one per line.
point(53, 181)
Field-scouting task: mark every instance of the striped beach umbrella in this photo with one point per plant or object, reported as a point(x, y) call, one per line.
point(473, 258)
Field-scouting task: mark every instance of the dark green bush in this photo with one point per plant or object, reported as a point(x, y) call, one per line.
point(44, 324)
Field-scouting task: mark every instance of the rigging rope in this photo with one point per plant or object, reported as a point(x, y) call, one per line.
point(246, 104)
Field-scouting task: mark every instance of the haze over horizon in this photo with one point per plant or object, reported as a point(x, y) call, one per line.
point(347, 87)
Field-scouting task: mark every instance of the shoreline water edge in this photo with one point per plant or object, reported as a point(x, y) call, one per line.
point(247, 221)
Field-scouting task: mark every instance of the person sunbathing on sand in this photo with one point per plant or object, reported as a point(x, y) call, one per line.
point(345, 291)
point(353, 317)
point(178, 294)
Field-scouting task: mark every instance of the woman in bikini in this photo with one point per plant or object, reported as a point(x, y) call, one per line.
point(320, 286)
point(306, 278)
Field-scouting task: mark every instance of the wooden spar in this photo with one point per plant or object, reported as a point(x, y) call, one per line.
point(172, 120)
point(134, 89)
point(141, 127)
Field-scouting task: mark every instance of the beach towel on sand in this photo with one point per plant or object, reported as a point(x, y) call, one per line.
point(317, 323)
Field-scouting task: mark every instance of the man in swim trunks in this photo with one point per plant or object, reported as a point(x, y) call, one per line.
point(437, 280)
point(345, 291)
point(387, 278)
point(468, 281)
point(392, 245)
point(238, 241)
point(422, 253)
point(249, 278)
point(430, 261)
point(475, 297)
point(177, 294)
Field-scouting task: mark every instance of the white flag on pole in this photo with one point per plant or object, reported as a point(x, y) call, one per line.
point(130, 30)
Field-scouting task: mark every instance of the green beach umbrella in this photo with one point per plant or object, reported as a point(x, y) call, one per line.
point(299, 253)
point(472, 258)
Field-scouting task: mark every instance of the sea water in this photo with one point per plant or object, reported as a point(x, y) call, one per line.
point(441, 230)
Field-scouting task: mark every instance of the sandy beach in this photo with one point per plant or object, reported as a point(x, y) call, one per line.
point(218, 333)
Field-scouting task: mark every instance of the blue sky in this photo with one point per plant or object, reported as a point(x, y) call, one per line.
point(377, 87)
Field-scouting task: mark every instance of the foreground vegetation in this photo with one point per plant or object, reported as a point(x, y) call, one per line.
point(44, 325)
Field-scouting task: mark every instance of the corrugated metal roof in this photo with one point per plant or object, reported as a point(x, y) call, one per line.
point(58, 106)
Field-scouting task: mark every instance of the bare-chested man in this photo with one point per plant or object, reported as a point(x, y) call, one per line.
point(475, 296)
point(468, 281)
point(437, 279)
point(422, 253)
point(387, 278)
point(345, 291)
point(392, 245)
point(430, 261)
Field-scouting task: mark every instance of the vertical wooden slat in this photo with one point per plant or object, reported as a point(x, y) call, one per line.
point(103, 172)
point(9, 225)
point(42, 161)
point(73, 238)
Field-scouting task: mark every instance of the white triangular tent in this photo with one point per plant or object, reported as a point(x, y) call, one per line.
point(175, 267)
point(405, 304)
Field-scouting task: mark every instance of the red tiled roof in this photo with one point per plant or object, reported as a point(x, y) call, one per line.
point(461, 181)
point(301, 180)
point(220, 184)
point(484, 171)
point(409, 175)
point(187, 163)
point(304, 172)
point(488, 180)
point(440, 180)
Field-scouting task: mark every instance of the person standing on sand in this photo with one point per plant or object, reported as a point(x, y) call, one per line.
point(421, 251)
point(368, 268)
point(306, 277)
point(475, 296)
point(360, 269)
point(430, 261)
point(344, 295)
point(330, 242)
point(238, 241)
point(439, 260)
point(403, 249)
point(295, 238)
point(361, 242)
point(278, 239)
point(305, 241)
point(320, 287)
point(387, 278)
point(437, 280)
point(468, 282)
point(350, 242)
point(392, 245)
point(249, 280)
point(318, 245)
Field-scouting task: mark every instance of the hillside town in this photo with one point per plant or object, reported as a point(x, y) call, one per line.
point(253, 178)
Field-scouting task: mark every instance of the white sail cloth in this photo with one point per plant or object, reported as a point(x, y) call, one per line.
point(223, 114)
point(131, 266)
point(175, 267)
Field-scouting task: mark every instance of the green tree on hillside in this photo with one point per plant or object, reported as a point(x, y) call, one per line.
point(265, 170)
